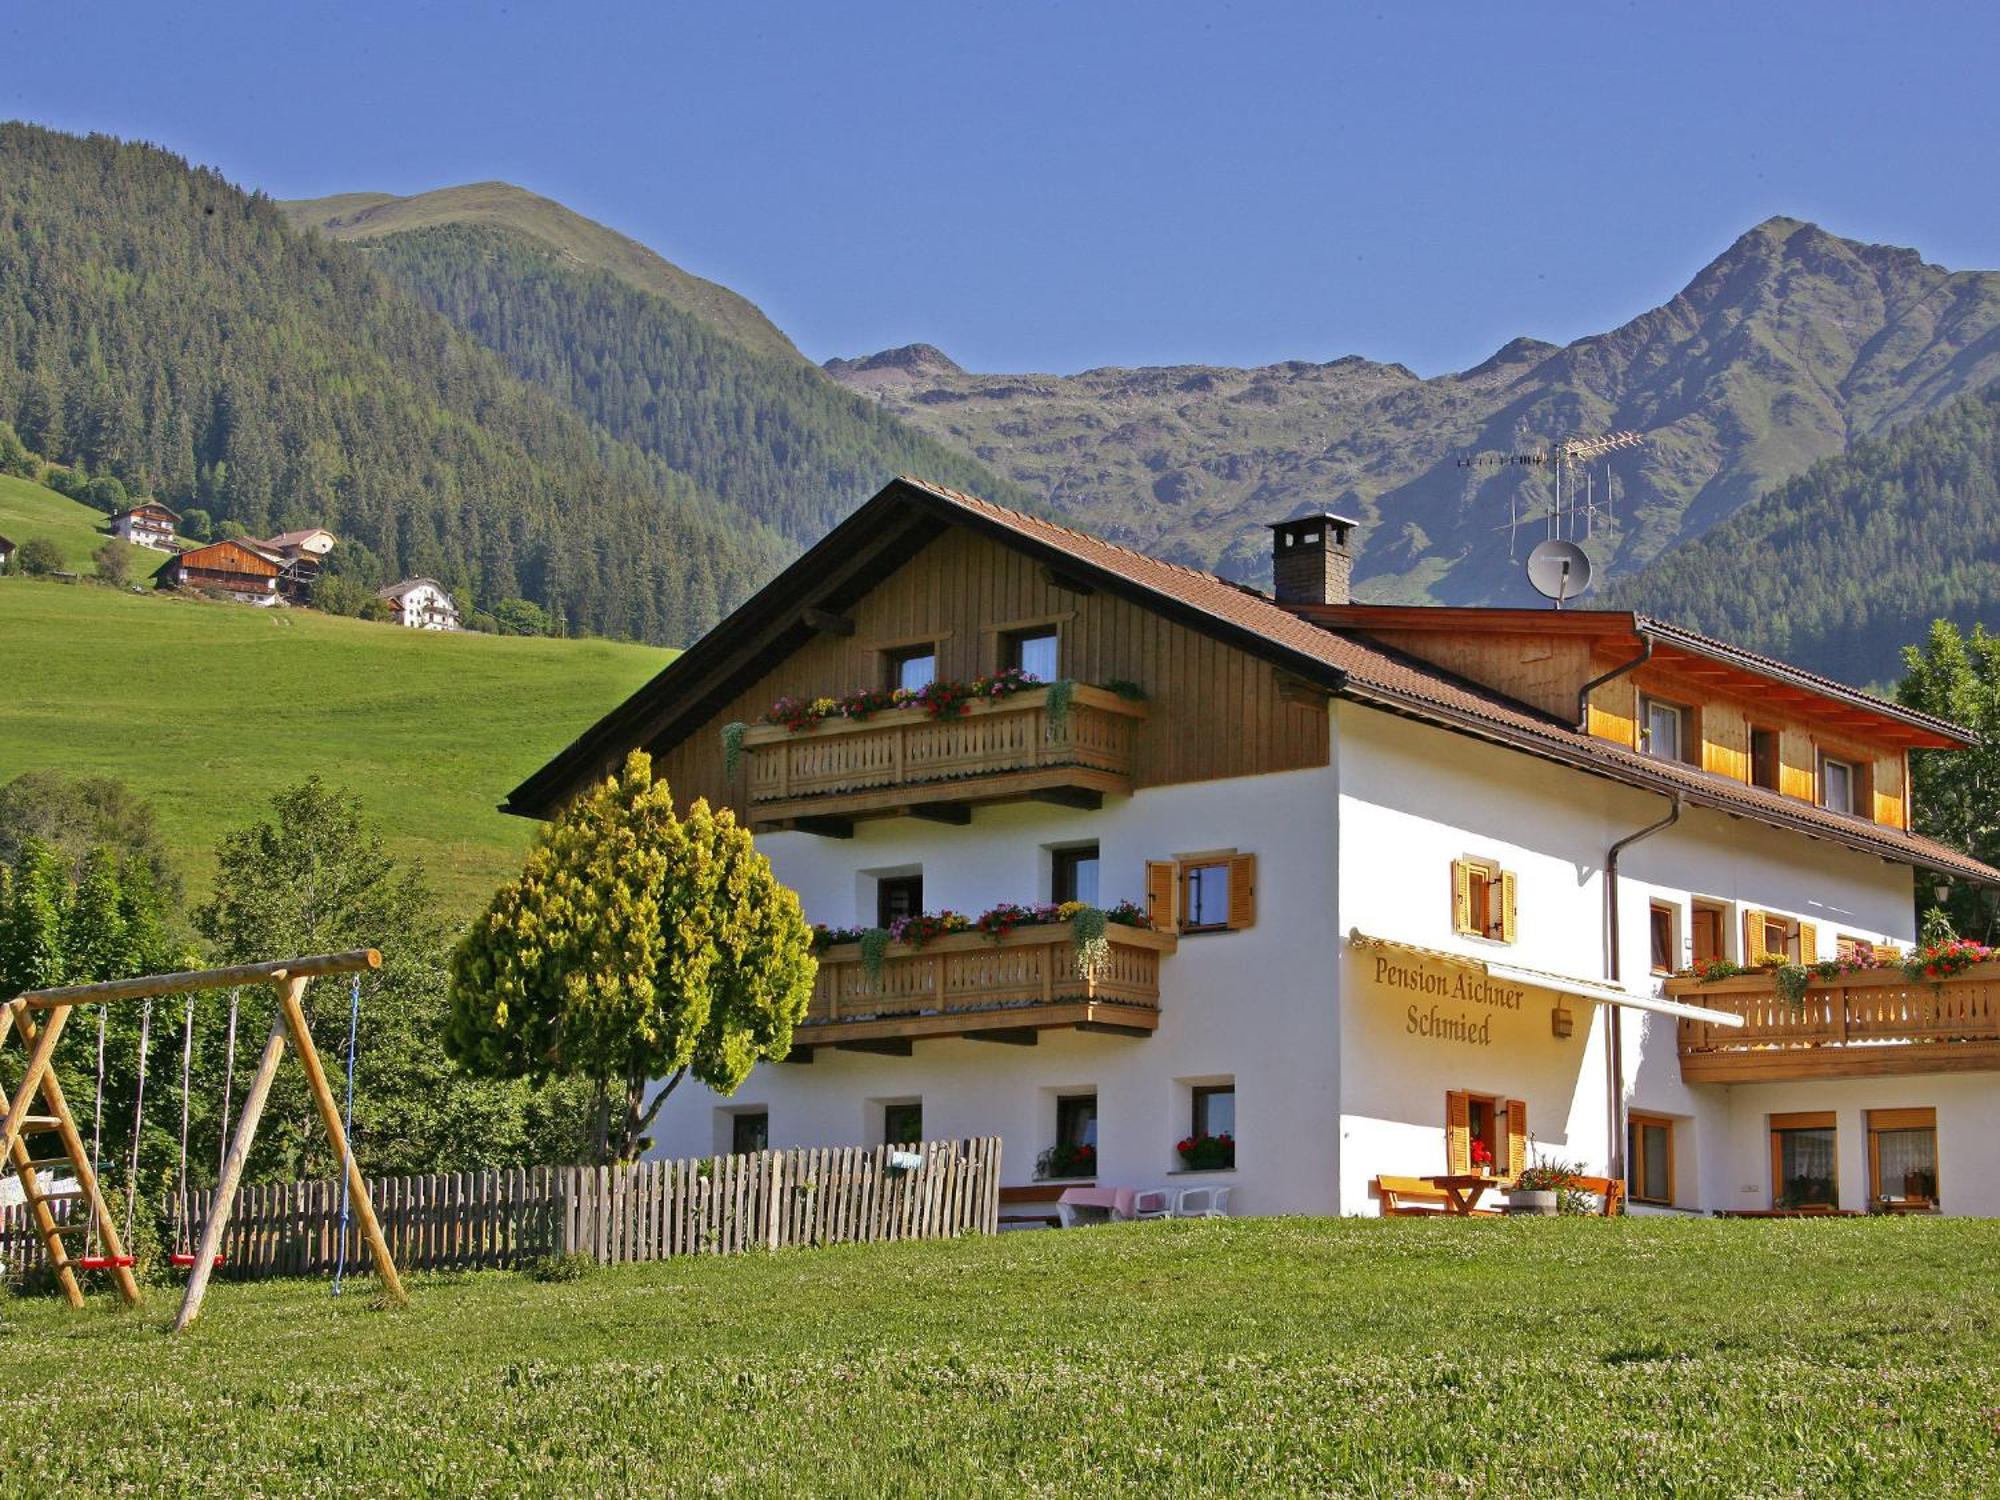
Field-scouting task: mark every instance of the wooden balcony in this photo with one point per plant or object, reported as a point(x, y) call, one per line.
point(904, 762)
point(1858, 1026)
point(968, 985)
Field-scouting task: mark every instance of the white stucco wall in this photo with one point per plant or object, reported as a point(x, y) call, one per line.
point(1255, 1007)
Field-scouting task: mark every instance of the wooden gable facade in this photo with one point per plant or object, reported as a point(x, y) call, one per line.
point(229, 566)
point(1211, 709)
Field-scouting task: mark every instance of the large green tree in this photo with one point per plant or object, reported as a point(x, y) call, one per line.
point(1957, 793)
point(635, 946)
point(313, 877)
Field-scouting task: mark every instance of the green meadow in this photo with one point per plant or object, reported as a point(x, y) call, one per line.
point(210, 708)
point(1364, 1357)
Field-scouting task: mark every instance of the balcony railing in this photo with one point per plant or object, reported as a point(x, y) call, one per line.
point(902, 761)
point(1857, 1026)
point(1004, 990)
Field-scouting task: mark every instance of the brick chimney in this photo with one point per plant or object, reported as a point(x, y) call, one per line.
point(1310, 559)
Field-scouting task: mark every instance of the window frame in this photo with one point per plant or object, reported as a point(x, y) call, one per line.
point(1198, 1100)
point(890, 1110)
point(1776, 740)
point(1190, 870)
point(1878, 1122)
point(1492, 897)
point(1701, 912)
point(1638, 1188)
point(1801, 1122)
point(894, 658)
point(884, 884)
point(1852, 771)
point(1166, 891)
point(1012, 640)
point(738, 1118)
point(1067, 1106)
point(1655, 910)
point(1686, 730)
point(1063, 860)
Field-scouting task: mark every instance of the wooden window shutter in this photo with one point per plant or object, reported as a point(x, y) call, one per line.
point(1517, 1139)
point(1461, 897)
point(1808, 943)
point(1753, 937)
point(1507, 920)
point(1457, 1132)
point(1242, 890)
point(1163, 892)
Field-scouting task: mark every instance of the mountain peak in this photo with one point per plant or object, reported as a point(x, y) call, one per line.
point(902, 366)
point(581, 242)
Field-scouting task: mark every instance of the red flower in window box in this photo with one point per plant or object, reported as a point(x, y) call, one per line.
point(1482, 1155)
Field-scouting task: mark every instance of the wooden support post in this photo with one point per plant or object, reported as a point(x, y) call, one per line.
point(45, 1222)
point(39, 1052)
point(329, 1113)
point(232, 1169)
point(86, 1176)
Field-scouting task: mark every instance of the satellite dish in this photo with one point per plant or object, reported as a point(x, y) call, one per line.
point(1559, 570)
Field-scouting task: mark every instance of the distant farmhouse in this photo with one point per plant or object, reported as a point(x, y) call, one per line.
point(147, 524)
point(7, 550)
point(241, 570)
point(421, 604)
point(299, 555)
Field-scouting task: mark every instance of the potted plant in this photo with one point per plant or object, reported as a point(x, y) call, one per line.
point(1481, 1157)
point(1541, 1186)
point(1069, 1160)
point(1207, 1153)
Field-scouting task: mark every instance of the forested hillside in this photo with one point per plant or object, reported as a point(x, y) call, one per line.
point(1840, 567)
point(160, 325)
point(771, 436)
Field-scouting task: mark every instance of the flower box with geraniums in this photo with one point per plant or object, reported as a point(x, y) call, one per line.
point(1068, 1160)
point(1207, 1153)
point(1480, 1156)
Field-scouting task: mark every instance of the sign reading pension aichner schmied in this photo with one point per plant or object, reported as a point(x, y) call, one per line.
point(1462, 1005)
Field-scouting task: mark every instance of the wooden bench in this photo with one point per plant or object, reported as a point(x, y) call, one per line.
point(1412, 1197)
point(1610, 1189)
point(1033, 1204)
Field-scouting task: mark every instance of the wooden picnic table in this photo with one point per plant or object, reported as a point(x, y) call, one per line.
point(1463, 1190)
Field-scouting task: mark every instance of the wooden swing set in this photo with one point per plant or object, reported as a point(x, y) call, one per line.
point(37, 1018)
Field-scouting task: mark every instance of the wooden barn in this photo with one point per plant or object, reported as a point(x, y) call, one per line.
point(230, 568)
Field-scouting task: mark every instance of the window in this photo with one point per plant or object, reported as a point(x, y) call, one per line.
point(903, 1124)
point(1649, 1158)
point(898, 896)
point(1836, 785)
point(1803, 1173)
point(749, 1130)
point(1664, 729)
point(1902, 1157)
point(1215, 1109)
point(1482, 899)
point(912, 668)
point(1661, 921)
point(1707, 934)
point(1847, 945)
point(1073, 874)
point(1076, 1120)
point(1485, 1134)
point(1036, 652)
point(1766, 935)
point(1764, 758)
point(1202, 892)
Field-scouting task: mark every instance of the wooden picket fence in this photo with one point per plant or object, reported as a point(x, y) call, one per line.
point(721, 1205)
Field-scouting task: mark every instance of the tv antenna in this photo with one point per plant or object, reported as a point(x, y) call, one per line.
point(1558, 567)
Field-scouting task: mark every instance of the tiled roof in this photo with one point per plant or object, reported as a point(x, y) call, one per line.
point(1388, 679)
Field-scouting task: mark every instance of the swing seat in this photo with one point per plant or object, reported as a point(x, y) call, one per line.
point(102, 1262)
point(186, 1258)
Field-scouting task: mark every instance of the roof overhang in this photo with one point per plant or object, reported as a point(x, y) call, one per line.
point(1595, 991)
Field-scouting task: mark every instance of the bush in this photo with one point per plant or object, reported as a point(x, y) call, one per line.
point(14, 456)
point(106, 493)
point(338, 595)
point(65, 481)
point(573, 1266)
point(376, 609)
point(40, 557)
point(198, 524)
point(521, 617)
point(114, 562)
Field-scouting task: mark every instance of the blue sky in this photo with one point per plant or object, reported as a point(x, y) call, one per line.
point(1041, 186)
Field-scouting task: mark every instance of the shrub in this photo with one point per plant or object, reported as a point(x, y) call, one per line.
point(554, 1267)
point(106, 493)
point(40, 557)
point(198, 524)
point(114, 562)
point(14, 456)
point(521, 617)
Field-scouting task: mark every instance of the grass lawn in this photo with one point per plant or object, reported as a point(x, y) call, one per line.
point(210, 708)
point(29, 510)
point(1550, 1357)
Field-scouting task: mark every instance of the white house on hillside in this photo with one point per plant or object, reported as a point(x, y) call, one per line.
point(148, 524)
point(1391, 891)
point(421, 604)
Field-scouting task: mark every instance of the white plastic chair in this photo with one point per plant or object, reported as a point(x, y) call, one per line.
point(1202, 1203)
point(1152, 1203)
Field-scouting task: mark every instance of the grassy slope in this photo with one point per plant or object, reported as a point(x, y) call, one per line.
point(210, 708)
point(1549, 1357)
point(581, 241)
point(27, 510)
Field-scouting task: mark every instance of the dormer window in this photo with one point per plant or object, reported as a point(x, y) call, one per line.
point(912, 668)
point(1034, 653)
point(1665, 729)
point(1836, 784)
